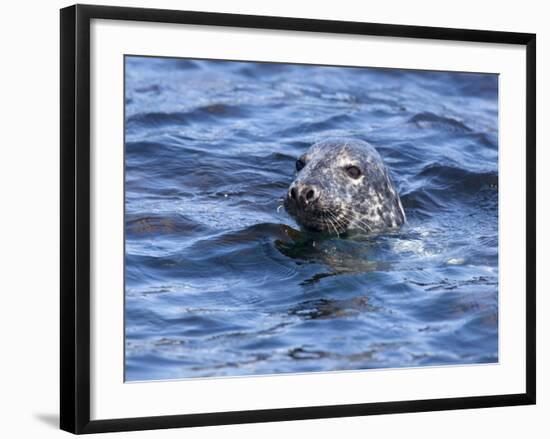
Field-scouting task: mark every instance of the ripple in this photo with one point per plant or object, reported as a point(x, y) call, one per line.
point(430, 120)
point(221, 282)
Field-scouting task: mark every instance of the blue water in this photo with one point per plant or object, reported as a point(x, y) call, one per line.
point(220, 281)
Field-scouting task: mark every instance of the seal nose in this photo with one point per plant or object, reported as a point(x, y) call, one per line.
point(304, 194)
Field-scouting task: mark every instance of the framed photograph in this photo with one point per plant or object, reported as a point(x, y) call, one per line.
point(268, 218)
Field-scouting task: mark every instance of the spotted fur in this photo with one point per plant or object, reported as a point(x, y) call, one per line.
point(324, 197)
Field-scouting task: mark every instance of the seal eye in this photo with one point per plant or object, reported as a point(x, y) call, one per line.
point(299, 165)
point(353, 171)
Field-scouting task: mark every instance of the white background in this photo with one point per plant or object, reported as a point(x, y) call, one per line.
point(30, 205)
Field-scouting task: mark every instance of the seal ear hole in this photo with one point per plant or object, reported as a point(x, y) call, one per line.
point(299, 165)
point(293, 193)
point(353, 171)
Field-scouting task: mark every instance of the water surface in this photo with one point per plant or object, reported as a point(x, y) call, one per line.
point(220, 281)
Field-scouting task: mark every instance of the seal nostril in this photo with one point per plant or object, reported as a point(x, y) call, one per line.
point(310, 194)
point(293, 193)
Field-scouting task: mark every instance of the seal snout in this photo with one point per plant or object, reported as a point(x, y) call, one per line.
point(304, 194)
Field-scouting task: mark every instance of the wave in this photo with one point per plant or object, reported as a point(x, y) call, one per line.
point(431, 120)
point(202, 114)
point(460, 179)
point(158, 225)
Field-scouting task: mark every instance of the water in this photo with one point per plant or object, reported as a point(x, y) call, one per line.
point(221, 282)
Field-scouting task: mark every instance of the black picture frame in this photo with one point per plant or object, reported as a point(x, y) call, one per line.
point(75, 217)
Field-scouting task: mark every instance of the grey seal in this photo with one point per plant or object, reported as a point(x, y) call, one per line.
point(343, 185)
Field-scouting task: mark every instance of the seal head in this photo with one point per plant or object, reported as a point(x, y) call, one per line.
point(343, 185)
